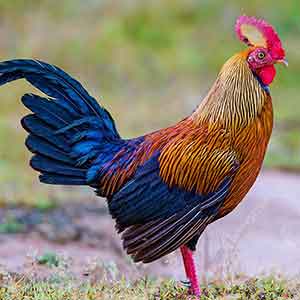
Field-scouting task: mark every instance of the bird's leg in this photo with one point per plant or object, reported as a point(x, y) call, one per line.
point(190, 270)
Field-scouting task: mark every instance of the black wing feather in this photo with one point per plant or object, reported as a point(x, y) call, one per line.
point(156, 226)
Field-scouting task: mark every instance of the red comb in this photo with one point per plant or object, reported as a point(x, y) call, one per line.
point(263, 35)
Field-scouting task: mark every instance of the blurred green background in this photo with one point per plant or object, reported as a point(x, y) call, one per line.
point(148, 62)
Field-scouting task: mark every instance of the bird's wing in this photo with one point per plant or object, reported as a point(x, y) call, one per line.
point(159, 213)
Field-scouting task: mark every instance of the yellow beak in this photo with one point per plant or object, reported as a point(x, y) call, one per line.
point(283, 62)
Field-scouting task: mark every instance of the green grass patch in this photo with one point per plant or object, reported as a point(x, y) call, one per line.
point(50, 259)
point(268, 288)
point(11, 225)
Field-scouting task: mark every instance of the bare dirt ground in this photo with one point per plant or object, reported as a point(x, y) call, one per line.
point(261, 236)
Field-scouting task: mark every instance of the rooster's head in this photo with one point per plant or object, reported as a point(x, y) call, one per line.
point(265, 47)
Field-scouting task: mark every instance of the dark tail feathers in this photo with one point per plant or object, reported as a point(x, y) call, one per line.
point(66, 130)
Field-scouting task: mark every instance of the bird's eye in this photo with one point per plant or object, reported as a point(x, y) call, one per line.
point(261, 55)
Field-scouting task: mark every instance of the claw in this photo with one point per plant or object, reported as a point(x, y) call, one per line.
point(186, 283)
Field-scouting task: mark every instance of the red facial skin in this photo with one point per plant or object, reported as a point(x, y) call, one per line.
point(262, 67)
point(262, 63)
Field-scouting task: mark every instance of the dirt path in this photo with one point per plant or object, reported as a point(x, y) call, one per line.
point(262, 235)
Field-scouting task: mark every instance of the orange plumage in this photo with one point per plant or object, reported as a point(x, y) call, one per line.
point(165, 187)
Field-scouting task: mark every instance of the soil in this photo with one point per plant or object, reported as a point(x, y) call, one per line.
point(260, 236)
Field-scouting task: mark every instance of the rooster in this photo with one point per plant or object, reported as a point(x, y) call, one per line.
point(165, 187)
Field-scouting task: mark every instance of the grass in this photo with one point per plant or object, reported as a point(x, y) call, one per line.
point(50, 259)
point(11, 225)
point(266, 288)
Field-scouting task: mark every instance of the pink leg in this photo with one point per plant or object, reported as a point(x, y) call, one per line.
point(190, 270)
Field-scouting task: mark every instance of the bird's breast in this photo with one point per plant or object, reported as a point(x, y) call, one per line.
point(250, 144)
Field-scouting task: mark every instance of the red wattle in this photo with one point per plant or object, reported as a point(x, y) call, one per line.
point(267, 74)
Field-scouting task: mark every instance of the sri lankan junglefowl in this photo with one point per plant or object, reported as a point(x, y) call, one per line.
point(165, 187)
